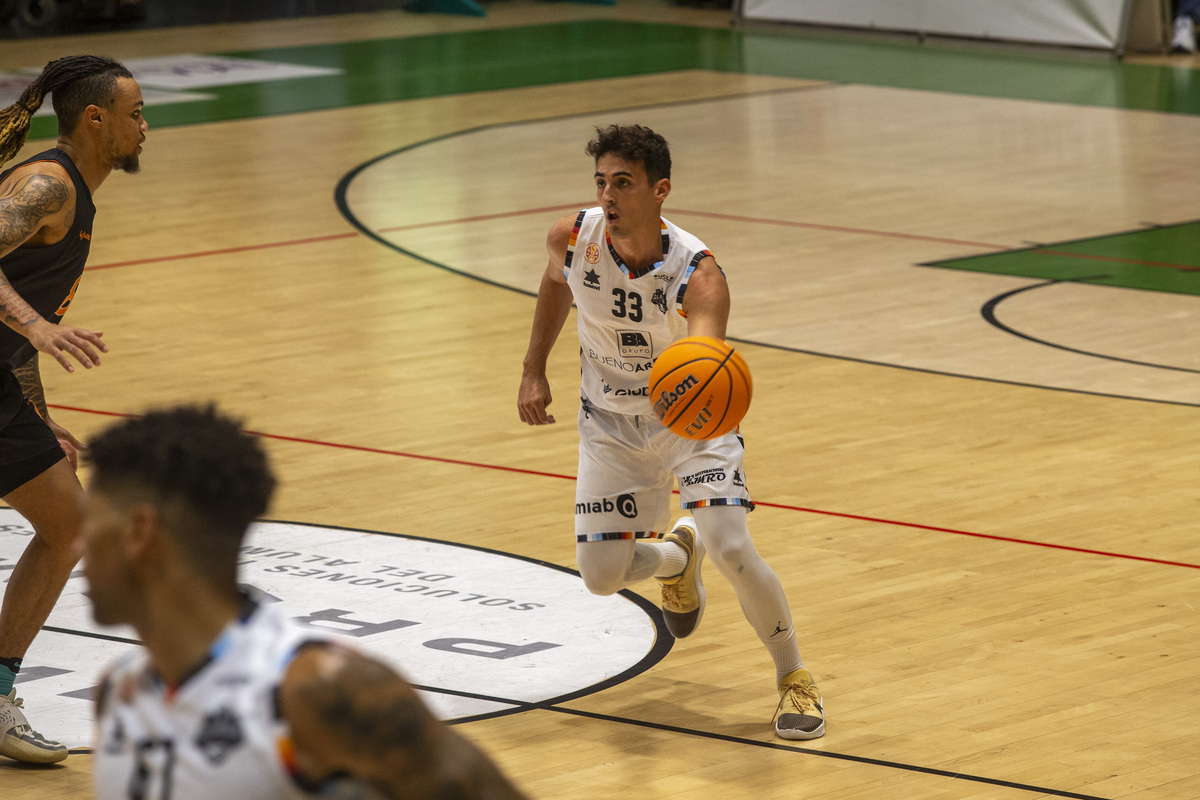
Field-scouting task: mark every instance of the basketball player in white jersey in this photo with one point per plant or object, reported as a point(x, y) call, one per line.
point(232, 698)
point(640, 283)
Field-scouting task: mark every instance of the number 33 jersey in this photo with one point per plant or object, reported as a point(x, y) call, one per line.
point(626, 317)
point(218, 735)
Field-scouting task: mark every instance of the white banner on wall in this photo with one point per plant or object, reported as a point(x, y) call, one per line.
point(1079, 23)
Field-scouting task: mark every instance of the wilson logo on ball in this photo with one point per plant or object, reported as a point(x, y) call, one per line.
point(662, 406)
point(700, 388)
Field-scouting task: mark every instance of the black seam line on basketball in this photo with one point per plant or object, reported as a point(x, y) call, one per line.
point(343, 185)
point(988, 311)
point(700, 391)
point(723, 737)
point(344, 209)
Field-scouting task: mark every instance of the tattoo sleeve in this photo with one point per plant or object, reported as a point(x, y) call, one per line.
point(30, 377)
point(23, 208)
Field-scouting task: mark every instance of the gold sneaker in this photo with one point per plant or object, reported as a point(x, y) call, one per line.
point(683, 595)
point(801, 710)
point(19, 741)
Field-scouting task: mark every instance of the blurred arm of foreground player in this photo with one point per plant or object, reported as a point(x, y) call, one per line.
point(351, 715)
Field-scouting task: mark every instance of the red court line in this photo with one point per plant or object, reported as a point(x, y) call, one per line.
point(1043, 251)
point(225, 251)
point(710, 215)
point(838, 229)
point(993, 537)
point(483, 217)
point(527, 211)
point(480, 465)
point(679, 211)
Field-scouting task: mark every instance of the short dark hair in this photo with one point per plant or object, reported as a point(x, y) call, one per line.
point(98, 88)
point(634, 143)
point(196, 464)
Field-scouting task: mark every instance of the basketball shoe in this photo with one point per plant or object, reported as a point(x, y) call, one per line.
point(19, 741)
point(683, 595)
point(801, 712)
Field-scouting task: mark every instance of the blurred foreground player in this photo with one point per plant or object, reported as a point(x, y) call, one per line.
point(231, 698)
point(46, 215)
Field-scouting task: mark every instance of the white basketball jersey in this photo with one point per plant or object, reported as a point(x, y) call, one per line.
point(218, 735)
point(626, 318)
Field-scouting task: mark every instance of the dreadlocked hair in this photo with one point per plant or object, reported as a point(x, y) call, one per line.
point(75, 81)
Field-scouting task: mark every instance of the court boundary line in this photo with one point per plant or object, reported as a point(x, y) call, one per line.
point(554, 705)
point(342, 188)
point(988, 312)
point(767, 504)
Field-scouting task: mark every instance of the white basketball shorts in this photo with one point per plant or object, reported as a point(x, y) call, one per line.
point(627, 469)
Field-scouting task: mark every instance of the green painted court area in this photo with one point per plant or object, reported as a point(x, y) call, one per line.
point(455, 63)
point(1163, 259)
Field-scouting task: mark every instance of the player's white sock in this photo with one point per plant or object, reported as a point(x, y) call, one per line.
point(674, 560)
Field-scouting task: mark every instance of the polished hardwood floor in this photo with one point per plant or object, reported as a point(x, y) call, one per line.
point(988, 544)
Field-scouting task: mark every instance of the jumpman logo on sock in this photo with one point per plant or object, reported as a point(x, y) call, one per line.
point(778, 630)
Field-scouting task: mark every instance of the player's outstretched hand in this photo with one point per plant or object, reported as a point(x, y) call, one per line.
point(64, 342)
point(533, 399)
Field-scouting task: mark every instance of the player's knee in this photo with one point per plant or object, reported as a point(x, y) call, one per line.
point(728, 552)
point(602, 581)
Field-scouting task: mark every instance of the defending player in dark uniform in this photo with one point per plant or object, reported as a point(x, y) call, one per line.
point(46, 215)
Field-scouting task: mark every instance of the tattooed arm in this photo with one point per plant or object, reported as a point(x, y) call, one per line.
point(351, 715)
point(35, 205)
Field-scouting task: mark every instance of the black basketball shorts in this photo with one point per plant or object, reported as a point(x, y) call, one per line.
point(27, 445)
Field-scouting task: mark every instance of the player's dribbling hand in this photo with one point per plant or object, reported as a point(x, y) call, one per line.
point(533, 399)
point(64, 342)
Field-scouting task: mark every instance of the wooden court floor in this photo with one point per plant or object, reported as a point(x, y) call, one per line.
point(988, 545)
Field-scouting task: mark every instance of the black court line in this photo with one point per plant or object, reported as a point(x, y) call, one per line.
point(553, 705)
point(875, 762)
point(988, 311)
point(343, 206)
point(662, 645)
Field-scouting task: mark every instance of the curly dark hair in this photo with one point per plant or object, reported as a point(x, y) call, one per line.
point(634, 143)
point(206, 476)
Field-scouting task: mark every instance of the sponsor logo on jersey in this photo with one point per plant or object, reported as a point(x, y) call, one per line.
point(220, 734)
point(591, 279)
point(592, 253)
point(634, 344)
point(738, 478)
point(642, 391)
point(659, 298)
point(624, 505)
point(617, 363)
point(703, 476)
point(85, 235)
point(668, 397)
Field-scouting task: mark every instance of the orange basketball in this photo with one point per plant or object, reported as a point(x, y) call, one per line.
point(700, 388)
